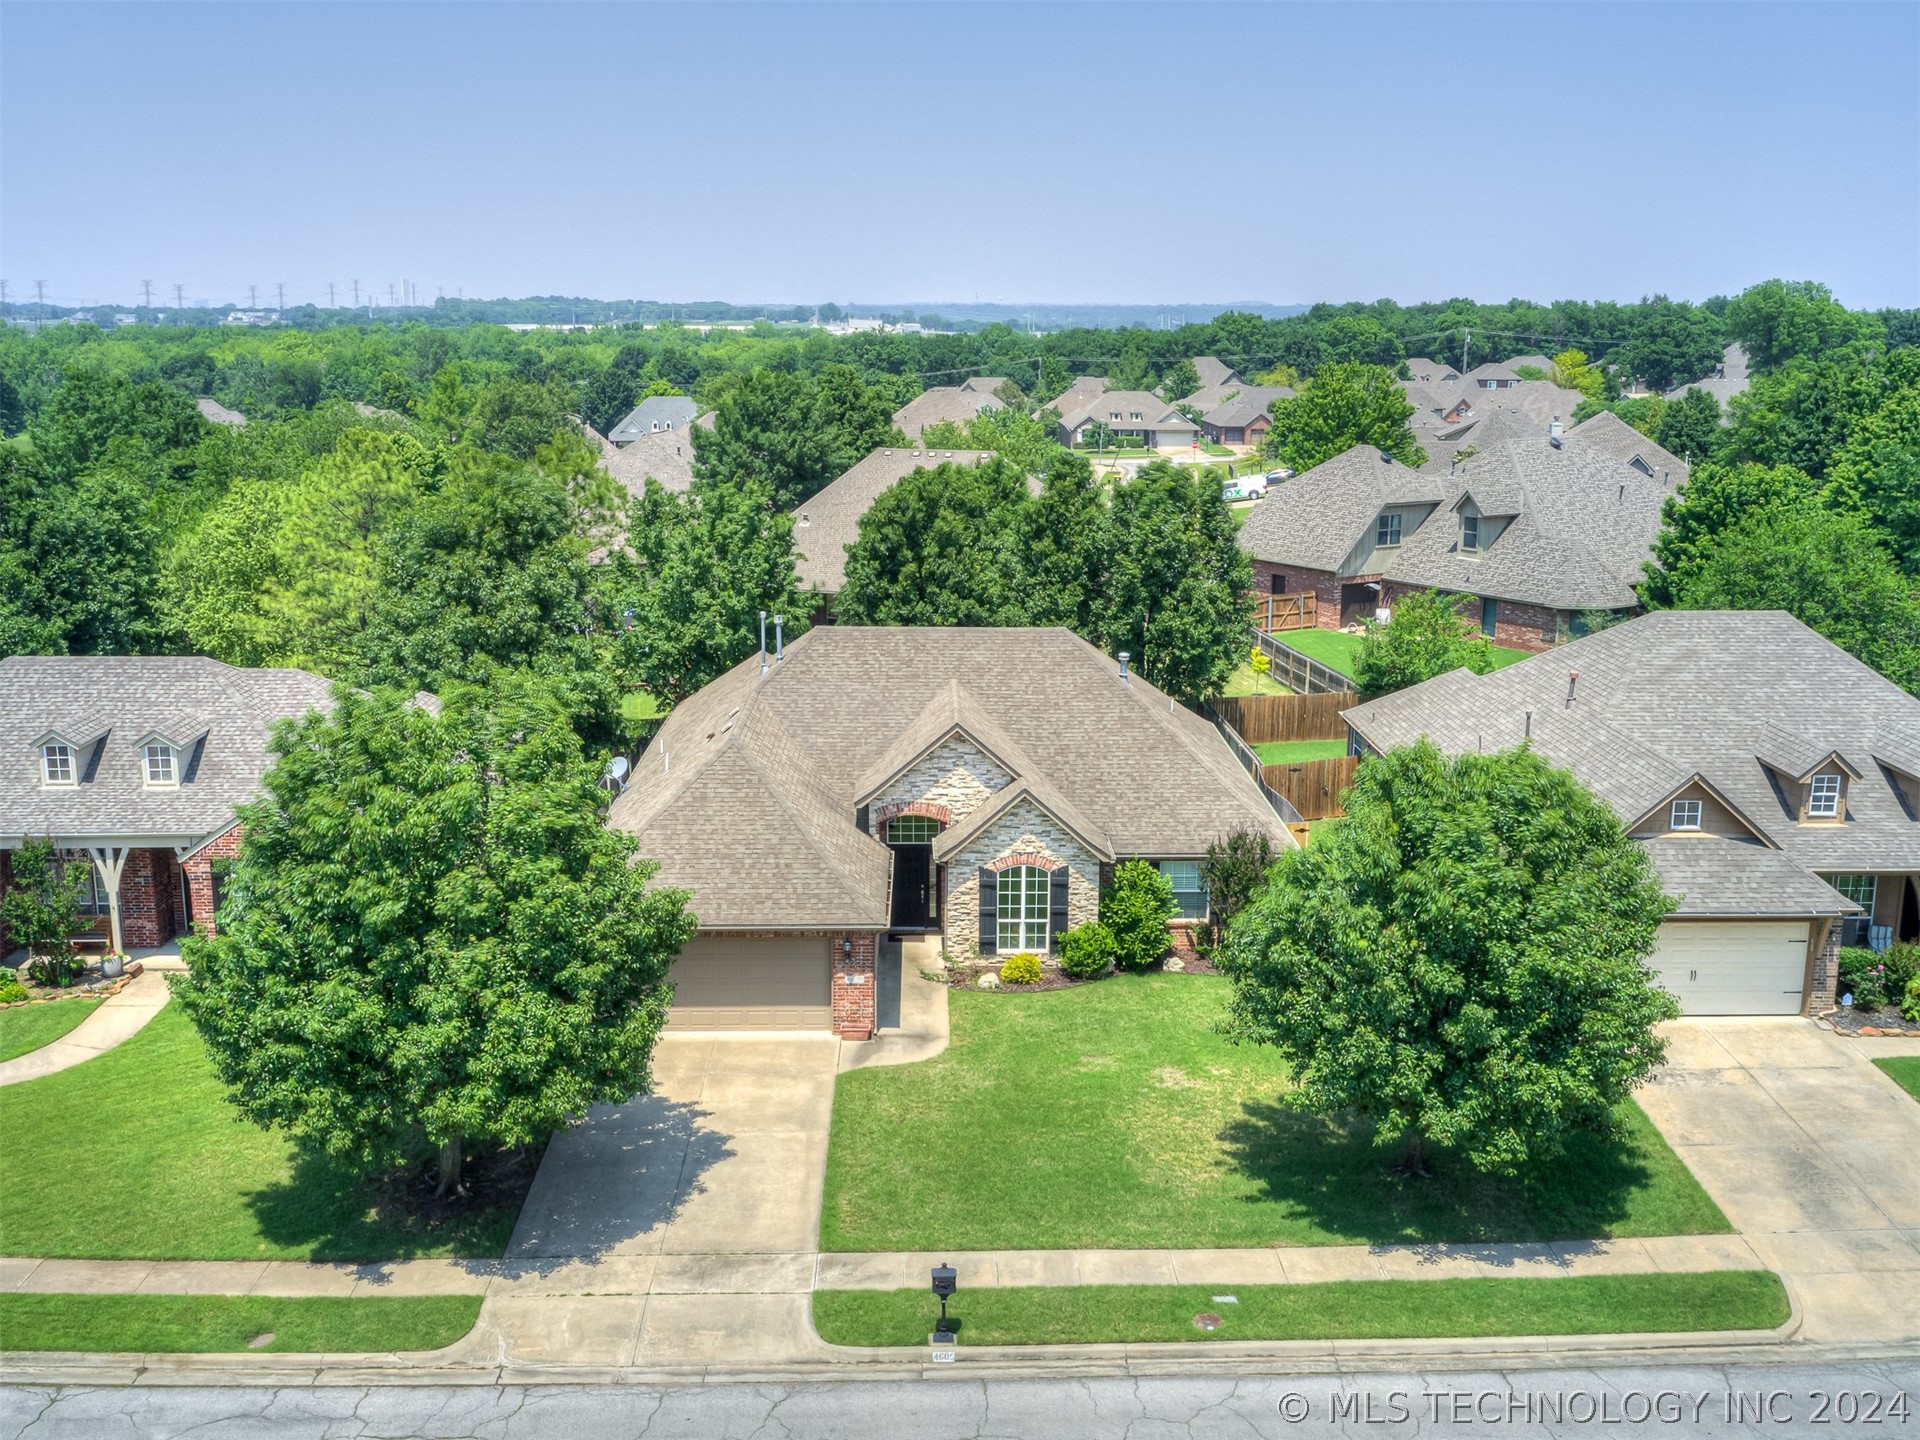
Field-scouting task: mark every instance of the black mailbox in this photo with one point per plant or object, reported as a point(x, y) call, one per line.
point(945, 1281)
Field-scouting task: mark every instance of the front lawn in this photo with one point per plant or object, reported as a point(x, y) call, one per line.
point(138, 1155)
point(201, 1324)
point(1343, 1310)
point(1286, 752)
point(1113, 1115)
point(1905, 1070)
point(1340, 651)
point(25, 1028)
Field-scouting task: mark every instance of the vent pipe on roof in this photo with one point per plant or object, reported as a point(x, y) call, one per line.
point(1124, 657)
point(1555, 428)
point(1529, 730)
point(779, 641)
point(763, 642)
point(1573, 680)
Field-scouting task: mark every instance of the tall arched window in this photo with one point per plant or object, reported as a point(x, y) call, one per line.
point(1022, 893)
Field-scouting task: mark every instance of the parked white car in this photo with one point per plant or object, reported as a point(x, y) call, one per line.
point(1246, 487)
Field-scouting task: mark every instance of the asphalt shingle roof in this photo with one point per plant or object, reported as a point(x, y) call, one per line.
point(665, 455)
point(654, 415)
point(1316, 518)
point(1246, 405)
point(1720, 694)
point(220, 717)
point(954, 404)
point(826, 525)
point(747, 795)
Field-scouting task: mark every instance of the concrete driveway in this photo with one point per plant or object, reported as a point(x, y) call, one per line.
point(684, 1223)
point(1813, 1154)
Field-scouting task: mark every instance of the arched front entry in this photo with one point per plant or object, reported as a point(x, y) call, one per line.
point(916, 880)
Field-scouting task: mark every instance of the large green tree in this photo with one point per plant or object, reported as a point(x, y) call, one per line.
point(1064, 548)
point(1347, 405)
point(430, 941)
point(78, 562)
point(1830, 569)
point(939, 548)
point(1690, 426)
point(1462, 962)
point(1427, 635)
point(1880, 463)
point(1715, 498)
point(1670, 344)
point(1781, 320)
point(1178, 583)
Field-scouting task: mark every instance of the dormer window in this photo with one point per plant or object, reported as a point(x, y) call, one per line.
point(1685, 815)
point(161, 769)
point(1469, 532)
point(56, 764)
point(1823, 796)
point(1386, 530)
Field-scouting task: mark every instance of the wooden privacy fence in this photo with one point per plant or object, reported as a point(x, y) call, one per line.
point(1263, 718)
point(1300, 673)
point(1284, 612)
point(1312, 787)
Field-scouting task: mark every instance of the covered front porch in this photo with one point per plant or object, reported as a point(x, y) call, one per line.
point(138, 894)
point(1889, 908)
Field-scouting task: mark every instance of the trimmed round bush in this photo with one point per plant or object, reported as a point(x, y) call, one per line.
point(1087, 950)
point(1135, 910)
point(1021, 969)
point(11, 989)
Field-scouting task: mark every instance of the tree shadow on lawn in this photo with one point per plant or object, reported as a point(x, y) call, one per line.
point(1327, 1171)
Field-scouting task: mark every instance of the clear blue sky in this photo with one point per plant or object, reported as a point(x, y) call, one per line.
point(894, 152)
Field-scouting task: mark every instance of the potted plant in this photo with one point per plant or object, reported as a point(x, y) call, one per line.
point(113, 964)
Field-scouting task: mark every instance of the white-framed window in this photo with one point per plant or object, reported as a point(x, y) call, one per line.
point(1189, 890)
point(913, 830)
point(1022, 896)
point(93, 895)
point(1861, 889)
point(161, 769)
point(56, 764)
point(1469, 532)
point(1823, 796)
point(1386, 530)
point(1685, 815)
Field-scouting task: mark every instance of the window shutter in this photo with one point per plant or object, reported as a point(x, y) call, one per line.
point(862, 816)
point(989, 911)
point(1056, 909)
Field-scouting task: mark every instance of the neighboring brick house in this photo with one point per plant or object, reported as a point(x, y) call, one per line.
point(1773, 779)
point(133, 767)
point(1537, 528)
point(1241, 417)
point(1132, 417)
point(974, 786)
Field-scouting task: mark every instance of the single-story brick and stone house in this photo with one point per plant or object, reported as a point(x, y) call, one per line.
point(1537, 528)
point(133, 766)
point(968, 787)
point(1773, 779)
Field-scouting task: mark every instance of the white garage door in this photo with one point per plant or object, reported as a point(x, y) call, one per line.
point(729, 984)
point(1733, 967)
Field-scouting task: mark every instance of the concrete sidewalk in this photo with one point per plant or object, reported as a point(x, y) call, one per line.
point(114, 1020)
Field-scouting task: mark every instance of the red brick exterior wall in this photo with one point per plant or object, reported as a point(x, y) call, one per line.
point(149, 899)
point(1824, 980)
point(1516, 625)
point(1324, 584)
point(6, 880)
point(853, 981)
point(199, 868)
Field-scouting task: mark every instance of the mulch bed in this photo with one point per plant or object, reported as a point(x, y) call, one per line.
point(1848, 1021)
point(963, 978)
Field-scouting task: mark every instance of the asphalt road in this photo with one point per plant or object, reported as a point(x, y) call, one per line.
point(1780, 1400)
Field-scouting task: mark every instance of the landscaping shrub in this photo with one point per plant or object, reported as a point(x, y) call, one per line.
point(1021, 969)
point(1910, 1007)
point(1087, 950)
point(1136, 909)
point(11, 990)
point(1902, 964)
point(1234, 869)
point(1863, 975)
point(57, 969)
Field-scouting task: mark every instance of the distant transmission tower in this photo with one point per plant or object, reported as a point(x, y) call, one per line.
point(329, 295)
point(356, 294)
point(390, 299)
point(146, 291)
point(252, 290)
point(179, 294)
point(280, 288)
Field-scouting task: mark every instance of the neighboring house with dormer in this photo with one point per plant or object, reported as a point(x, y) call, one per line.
point(971, 789)
point(1538, 529)
point(1218, 382)
point(655, 415)
point(133, 766)
point(1242, 418)
point(827, 524)
point(1491, 376)
point(949, 404)
point(1773, 779)
point(1134, 417)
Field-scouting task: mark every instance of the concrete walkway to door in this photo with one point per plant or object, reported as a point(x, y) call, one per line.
point(1814, 1155)
point(115, 1020)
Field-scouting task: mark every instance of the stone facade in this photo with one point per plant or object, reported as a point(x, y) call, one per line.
point(199, 868)
point(1025, 835)
point(853, 980)
point(948, 783)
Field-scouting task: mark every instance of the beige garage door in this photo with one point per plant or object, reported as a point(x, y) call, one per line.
point(728, 984)
point(1733, 967)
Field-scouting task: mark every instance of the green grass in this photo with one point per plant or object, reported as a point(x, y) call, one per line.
point(179, 1324)
point(1344, 1310)
point(1905, 1070)
point(27, 1027)
point(1340, 651)
point(1207, 447)
point(138, 1155)
point(1285, 752)
point(1247, 681)
point(1318, 830)
point(642, 705)
point(1114, 1115)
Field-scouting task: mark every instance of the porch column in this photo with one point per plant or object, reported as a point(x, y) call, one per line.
point(111, 862)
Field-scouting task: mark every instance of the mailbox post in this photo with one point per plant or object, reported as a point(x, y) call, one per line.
point(945, 1282)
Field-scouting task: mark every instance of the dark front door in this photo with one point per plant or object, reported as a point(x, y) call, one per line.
point(916, 906)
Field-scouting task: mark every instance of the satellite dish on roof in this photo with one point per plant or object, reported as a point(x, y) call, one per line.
point(615, 777)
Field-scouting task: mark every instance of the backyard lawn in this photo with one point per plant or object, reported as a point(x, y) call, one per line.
point(1343, 1310)
point(138, 1155)
point(176, 1324)
point(26, 1028)
point(1340, 651)
point(1113, 1115)
point(1905, 1070)
point(1286, 752)
point(1248, 681)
